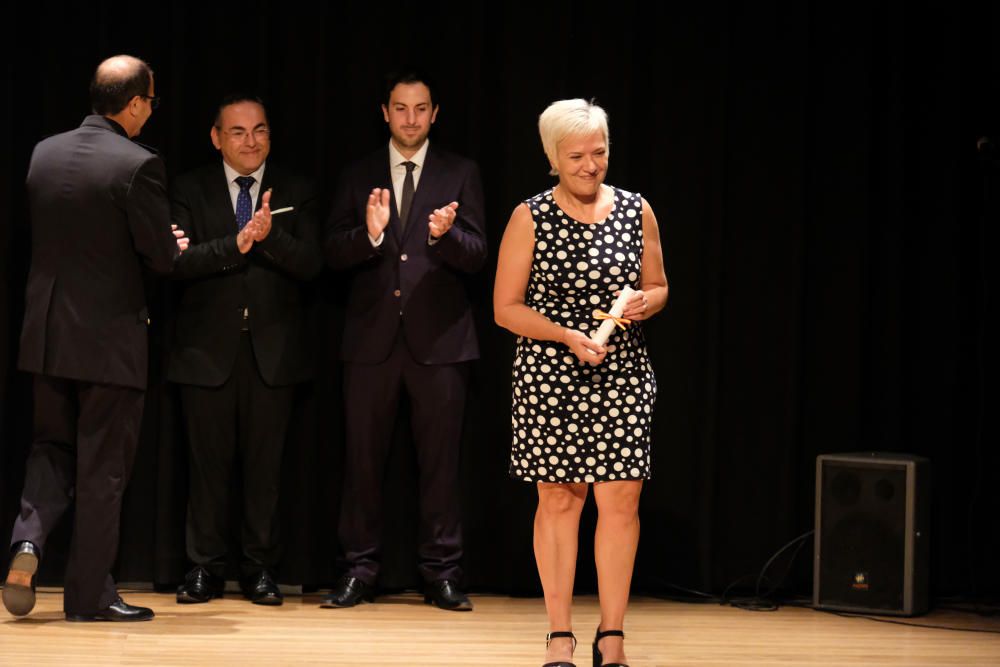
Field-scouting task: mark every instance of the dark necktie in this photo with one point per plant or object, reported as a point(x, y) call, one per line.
point(244, 205)
point(407, 198)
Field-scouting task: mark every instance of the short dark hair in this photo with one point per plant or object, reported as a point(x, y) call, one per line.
point(235, 98)
point(393, 79)
point(113, 87)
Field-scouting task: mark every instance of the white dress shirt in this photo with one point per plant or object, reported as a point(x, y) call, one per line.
point(234, 189)
point(398, 172)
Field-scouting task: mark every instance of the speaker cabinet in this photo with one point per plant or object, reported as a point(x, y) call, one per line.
point(872, 512)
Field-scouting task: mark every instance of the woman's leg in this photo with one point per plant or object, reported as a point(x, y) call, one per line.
point(614, 550)
point(557, 525)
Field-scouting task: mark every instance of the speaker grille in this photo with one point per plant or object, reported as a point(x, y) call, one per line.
point(863, 532)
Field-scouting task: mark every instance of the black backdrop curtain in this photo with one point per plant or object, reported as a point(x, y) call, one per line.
point(813, 167)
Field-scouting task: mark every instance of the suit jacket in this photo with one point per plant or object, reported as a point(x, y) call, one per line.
point(99, 211)
point(406, 282)
point(219, 281)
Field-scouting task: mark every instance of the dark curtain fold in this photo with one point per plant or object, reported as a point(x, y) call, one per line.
point(827, 227)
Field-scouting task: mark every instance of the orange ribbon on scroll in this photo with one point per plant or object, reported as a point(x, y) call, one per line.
point(620, 322)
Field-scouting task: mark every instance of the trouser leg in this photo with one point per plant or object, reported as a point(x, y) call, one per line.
point(264, 413)
point(438, 394)
point(50, 471)
point(107, 437)
point(371, 395)
point(210, 419)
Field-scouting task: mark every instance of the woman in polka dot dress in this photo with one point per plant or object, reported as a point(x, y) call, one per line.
point(581, 411)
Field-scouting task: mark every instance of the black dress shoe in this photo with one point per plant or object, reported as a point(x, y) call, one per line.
point(117, 611)
point(199, 586)
point(19, 588)
point(446, 594)
point(262, 590)
point(349, 592)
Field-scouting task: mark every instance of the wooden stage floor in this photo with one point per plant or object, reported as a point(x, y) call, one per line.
point(401, 630)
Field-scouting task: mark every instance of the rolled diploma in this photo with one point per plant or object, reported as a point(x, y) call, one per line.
point(607, 326)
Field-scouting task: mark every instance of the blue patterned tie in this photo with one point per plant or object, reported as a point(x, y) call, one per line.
point(244, 205)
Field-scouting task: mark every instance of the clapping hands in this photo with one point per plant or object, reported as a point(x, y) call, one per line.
point(258, 227)
point(377, 212)
point(442, 219)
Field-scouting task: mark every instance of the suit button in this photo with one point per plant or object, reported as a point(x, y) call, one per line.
point(403, 257)
point(396, 293)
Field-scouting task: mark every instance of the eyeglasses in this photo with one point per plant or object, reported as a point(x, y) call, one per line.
point(154, 101)
point(238, 134)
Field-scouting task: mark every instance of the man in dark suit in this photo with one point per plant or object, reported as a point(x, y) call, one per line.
point(99, 212)
point(241, 343)
point(409, 243)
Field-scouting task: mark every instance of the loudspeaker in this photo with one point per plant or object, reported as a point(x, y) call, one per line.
point(872, 513)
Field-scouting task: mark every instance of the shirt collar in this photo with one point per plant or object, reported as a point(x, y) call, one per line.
point(396, 158)
point(232, 174)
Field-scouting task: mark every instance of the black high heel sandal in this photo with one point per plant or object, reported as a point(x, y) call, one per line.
point(555, 635)
point(597, 652)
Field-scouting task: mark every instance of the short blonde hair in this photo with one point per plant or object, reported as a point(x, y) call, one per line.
point(565, 117)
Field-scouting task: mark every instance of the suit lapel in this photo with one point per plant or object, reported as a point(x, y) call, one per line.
point(276, 181)
point(430, 177)
point(220, 204)
point(267, 182)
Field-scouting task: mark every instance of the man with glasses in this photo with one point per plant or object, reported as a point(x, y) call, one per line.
point(99, 212)
point(240, 342)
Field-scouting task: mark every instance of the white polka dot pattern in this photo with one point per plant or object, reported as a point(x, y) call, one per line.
point(574, 422)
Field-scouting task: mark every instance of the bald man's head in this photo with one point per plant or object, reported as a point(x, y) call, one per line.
point(116, 81)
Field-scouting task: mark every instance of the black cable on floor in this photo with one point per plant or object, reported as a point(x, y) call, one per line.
point(760, 602)
point(914, 625)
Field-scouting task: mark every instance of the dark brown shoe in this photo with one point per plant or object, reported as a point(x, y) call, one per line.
point(19, 588)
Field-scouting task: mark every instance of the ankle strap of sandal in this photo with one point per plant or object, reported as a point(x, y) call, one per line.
point(601, 634)
point(561, 633)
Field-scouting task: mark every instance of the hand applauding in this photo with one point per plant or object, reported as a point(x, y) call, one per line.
point(258, 227)
point(442, 219)
point(377, 213)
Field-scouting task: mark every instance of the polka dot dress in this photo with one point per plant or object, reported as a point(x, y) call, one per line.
point(574, 422)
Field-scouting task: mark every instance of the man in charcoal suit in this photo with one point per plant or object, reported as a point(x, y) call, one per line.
point(99, 212)
point(241, 343)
